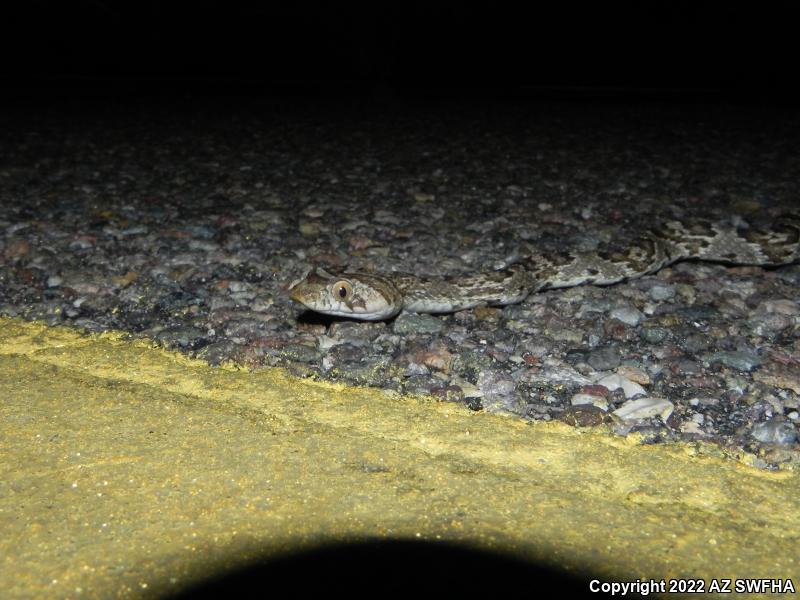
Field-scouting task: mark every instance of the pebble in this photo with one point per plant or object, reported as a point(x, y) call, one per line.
point(592, 308)
point(415, 369)
point(448, 393)
point(599, 402)
point(741, 361)
point(769, 322)
point(411, 324)
point(615, 381)
point(17, 249)
point(694, 343)
point(183, 337)
point(498, 392)
point(438, 358)
point(628, 315)
point(653, 335)
point(645, 408)
point(603, 359)
point(661, 292)
point(634, 374)
point(81, 243)
point(566, 334)
point(775, 431)
point(789, 308)
point(371, 371)
point(780, 376)
point(594, 390)
point(556, 372)
point(693, 428)
point(617, 330)
point(790, 275)
point(420, 384)
point(300, 353)
point(583, 415)
point(355, 332)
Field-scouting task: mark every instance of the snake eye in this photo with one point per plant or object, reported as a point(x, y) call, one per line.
point(342, 290)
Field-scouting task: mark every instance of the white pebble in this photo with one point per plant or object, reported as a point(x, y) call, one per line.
point(616, 381)
point(628, 315)
point(644, 408)
point(598, 401)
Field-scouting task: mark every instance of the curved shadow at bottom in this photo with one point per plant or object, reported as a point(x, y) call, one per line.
point(376, 568)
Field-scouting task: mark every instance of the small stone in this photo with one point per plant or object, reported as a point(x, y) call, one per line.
point(769, 322)
point(628, 315)
point(593, 306)
point(413, 369)
point(310, 228)
point(411, 323)
point(665, 320)
point(566, 334)
point(498, 392)
point(576, 356)
point(662, 291)
point(218, 352)
point(300, 353)
point(135, 230)
point(692, 428)
point(469, 390)
point(17, 248)
point(182, 337)
point(696, 313)
point(685, 366)
point(790, 275)
point(585, 415)
point(789, 308)
point(775, 431)
point(645, 408)
point(694, 343)
point(81, 243)
point(653, 335)
point(634, 374)
point(686, 292)
point(54, 281)
point(615, 382)
point(603, 359)
point(237, 286)
point(741, 361)
point(437, 358)
point(421, 385)
point(356, 332)
point(125, 280)
point(581, 399)
point(617, 330)
point(448, 393)
point(487, 313)
point(368, 372)
point(594, 390)
point(782, 376)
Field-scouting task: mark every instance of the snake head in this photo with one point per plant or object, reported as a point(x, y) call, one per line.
point(363, 296)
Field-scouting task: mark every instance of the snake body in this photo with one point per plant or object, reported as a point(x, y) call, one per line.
point(380, 296)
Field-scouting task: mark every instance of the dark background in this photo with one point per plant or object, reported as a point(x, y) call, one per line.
point(723, 51)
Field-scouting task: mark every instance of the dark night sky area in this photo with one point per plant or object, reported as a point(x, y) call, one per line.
point(725, 50)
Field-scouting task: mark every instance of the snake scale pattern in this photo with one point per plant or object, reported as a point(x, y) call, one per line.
point(380, 296)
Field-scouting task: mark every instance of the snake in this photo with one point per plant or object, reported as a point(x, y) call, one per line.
point(374, 296)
